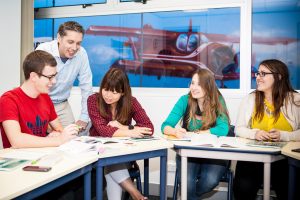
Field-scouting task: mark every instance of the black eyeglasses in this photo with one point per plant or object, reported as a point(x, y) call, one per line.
point(263, 74)
point(50, 77)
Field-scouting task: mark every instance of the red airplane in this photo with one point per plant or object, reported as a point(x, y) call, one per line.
point(171, 53)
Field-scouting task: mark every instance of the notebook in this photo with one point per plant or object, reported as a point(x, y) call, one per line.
point(266, 144)
point(9, 164)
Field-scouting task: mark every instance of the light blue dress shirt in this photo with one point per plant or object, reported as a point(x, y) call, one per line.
point(78, 66)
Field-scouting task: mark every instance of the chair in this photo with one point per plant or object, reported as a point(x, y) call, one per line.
point(134, 173)
point(227, 177)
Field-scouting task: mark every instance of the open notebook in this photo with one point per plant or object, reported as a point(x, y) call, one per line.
point(210, 140)
point(187, 137)
point(266, 144)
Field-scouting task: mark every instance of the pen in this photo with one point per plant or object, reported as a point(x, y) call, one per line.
point(35, 161)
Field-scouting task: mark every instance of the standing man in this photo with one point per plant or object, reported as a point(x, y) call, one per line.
point(72, 62)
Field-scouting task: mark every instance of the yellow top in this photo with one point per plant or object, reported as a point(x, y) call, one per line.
point(267, 122)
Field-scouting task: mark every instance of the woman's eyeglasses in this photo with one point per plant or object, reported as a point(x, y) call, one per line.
point(50, 77)
point(263, 74)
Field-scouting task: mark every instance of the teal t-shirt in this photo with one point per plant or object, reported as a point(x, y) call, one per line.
point(220, 129)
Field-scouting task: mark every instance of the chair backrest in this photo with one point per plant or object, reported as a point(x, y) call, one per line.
point(231, 131)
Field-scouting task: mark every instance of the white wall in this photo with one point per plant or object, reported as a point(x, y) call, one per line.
point(10, 40)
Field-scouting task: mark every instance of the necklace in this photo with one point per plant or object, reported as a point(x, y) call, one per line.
point(268, 111)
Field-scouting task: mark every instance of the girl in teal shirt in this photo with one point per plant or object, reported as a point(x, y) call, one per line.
point(202, 110)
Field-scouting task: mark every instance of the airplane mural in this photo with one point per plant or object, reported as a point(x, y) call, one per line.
point(179, 54)
point(169, 53)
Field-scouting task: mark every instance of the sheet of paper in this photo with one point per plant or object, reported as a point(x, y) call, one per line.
point(23, 154)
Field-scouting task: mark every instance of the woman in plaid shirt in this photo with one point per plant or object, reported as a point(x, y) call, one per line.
point(112, 111)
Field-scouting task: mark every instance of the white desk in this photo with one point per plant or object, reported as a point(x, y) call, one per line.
point(28, 185)
point(120, 153)
point(294, 163)
point(253, 154)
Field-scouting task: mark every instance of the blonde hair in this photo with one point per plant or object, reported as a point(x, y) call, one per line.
point(212, 106)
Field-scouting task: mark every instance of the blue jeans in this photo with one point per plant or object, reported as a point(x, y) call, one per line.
point(203, 175)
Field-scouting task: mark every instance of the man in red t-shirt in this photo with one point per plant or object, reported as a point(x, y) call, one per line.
point(27, 111)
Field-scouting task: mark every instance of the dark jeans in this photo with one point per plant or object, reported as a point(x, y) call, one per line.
point(249, 178)
point(203, 175)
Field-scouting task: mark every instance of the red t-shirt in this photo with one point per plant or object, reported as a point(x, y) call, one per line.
point(33, 114)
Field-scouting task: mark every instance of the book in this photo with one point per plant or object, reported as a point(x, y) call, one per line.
point(16, 158)
point(110, 140)
point(9, 164)
point(82, 144)
point(266, 144)
point(210, 140)
point(145, 138)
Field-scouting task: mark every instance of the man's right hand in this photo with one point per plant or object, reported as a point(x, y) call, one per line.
point(71, 129)
point(69, 132)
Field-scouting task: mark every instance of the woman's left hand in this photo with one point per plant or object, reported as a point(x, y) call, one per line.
point(275, 135)
point(116, 124)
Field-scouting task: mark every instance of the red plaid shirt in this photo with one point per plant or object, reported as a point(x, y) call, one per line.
point(99, 123)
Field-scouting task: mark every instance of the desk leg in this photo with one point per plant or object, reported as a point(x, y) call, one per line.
point(163, 177)
point(183, 178)
point(267, 179)
point(146, 177)
point(99, 183)
point(87, 186)
point(292, 182)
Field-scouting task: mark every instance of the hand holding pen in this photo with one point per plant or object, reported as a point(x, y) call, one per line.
point(179, 132)
point(262, 135)
point(274, 135)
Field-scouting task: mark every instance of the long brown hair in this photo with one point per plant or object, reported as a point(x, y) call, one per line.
point(281, 89)
point(116, 80)
point(212, 107)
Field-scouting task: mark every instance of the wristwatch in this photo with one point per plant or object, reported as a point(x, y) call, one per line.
point(130, 127)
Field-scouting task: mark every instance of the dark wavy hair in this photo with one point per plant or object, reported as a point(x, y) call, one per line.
point(116, 80)
point(281, 89)
point(212, 107)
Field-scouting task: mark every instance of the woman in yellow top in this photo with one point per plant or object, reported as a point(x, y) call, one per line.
point(271, 113)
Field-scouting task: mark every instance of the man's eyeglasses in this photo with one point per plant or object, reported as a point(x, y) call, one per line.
point(263, 74)
point(50, 77)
